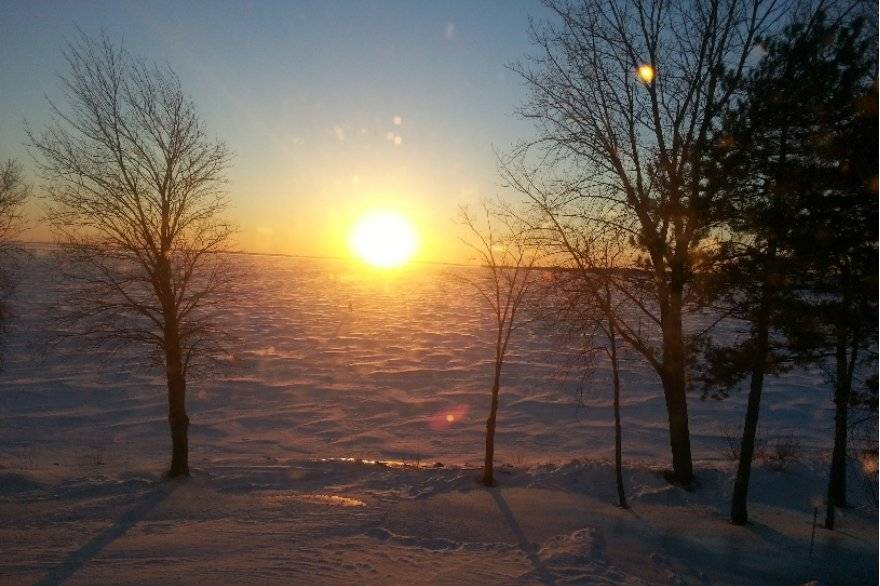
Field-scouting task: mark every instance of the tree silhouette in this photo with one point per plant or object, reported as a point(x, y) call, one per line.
point(625, 96)
point(581, 303)
point(136, 189)
point(503, 250)
point(784, 164)
point(14, 191)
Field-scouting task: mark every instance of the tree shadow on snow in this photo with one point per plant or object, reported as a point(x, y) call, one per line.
point(79, 558)
point(527, 548)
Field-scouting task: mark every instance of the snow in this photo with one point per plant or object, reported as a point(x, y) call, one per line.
point(314, 455)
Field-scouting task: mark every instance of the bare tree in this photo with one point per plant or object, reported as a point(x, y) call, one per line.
point(136, 192)
point(625, 96)
point(14, 191)
point(505, 252)
point(583, 304)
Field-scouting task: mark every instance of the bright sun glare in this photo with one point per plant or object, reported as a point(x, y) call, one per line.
point(384, 239)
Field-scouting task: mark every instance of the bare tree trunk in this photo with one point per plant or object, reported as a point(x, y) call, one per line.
point(618, 450)
point(177, 417)
point(837, 476)
point(674, 391)
point(488, 465)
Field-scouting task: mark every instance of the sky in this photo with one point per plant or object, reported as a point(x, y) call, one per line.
point(332, 109)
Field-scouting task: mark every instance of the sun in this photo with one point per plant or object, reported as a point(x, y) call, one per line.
point(384, 239)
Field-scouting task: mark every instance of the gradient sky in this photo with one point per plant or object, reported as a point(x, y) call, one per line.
point(311, 97)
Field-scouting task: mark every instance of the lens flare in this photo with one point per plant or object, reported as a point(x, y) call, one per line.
point(646, 73)
point(451, 417)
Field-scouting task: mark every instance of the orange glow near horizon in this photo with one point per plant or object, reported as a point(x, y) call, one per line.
point(384, 239)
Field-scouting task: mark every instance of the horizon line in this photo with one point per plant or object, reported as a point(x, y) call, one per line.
point(288, 255)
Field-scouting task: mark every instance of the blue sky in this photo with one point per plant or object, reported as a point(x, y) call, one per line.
point(331, 108)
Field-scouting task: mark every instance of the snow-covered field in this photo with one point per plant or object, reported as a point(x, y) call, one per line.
point(337, 367)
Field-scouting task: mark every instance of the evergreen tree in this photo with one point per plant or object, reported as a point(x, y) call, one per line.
point(786, 159)
point(839, 236)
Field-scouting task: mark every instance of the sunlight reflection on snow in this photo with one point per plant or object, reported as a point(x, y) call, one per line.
point(319, 498)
